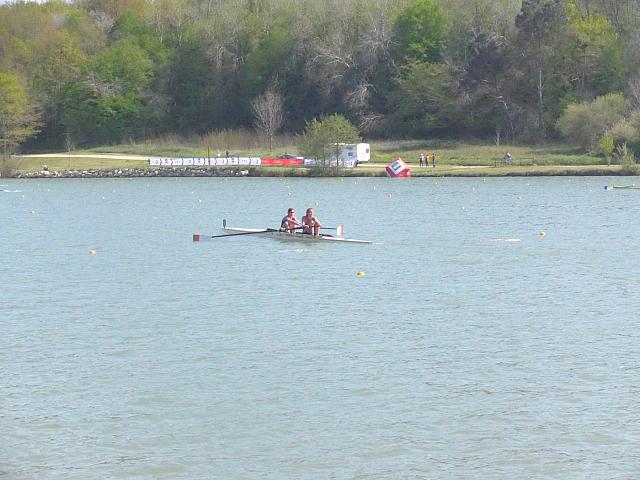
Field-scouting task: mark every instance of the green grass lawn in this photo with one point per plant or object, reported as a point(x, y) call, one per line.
point(31, 164)
point(466, 154)
point(448, 152)
point(453, 158)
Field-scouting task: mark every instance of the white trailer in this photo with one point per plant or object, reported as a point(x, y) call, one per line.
point(354, 153)
point(349, 155)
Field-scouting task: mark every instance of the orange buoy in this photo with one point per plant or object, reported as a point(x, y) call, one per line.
point(196, 237)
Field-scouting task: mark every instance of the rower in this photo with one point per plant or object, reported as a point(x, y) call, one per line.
point(310, 223)
point(290, 222)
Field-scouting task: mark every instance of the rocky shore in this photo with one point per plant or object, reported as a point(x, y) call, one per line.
point(138, 172)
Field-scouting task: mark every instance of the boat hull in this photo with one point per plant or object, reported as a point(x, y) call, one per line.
point(294, 237)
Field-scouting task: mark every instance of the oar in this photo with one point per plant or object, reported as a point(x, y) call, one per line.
point(197, 237)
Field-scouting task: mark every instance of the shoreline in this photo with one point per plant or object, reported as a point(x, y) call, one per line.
point(359, 172)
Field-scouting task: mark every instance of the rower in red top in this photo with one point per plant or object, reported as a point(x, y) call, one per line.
point(310, 223)
point(290, 222)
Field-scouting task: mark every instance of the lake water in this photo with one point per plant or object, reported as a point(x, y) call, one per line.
point(473, 347)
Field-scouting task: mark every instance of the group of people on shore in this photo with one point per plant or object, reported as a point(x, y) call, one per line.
point(424, 160)
point(309, 223)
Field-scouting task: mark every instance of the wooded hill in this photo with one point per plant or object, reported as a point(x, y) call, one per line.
point(90, 72)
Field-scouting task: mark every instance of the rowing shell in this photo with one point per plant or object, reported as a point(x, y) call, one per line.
point(268, 232)
point(627, 186)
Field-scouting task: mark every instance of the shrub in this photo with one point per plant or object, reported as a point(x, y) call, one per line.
point(626, 132)
point(606, 146)
point(585, 123)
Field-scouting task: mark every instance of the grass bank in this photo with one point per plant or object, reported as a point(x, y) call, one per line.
point(453, 158)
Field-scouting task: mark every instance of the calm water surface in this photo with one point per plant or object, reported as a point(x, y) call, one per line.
point(473, 348)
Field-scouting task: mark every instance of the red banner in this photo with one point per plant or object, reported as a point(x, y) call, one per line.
point(282, 161)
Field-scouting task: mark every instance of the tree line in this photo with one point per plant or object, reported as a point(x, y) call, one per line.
point(90, 72)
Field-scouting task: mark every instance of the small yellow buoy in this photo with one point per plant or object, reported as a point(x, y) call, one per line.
point(199, 200)
point(92, 251)
point(289, 194)
point(360, 274)
point(542, 234)
point(33, 212)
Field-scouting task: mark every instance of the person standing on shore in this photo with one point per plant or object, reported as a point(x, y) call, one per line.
point(310, 223)
point(433, 160)
point(421, 159)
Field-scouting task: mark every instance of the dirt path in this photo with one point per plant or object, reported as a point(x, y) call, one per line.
point(88, 155)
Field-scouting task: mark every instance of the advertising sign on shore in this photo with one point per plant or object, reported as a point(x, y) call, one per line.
point(244, 161)
point(204, 162)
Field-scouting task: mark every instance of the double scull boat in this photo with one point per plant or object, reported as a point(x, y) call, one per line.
point(278, 234)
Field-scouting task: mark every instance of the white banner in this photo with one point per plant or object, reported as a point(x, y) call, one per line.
point(203, 162)
point(311, 162)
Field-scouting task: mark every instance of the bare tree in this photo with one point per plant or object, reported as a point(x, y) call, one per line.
point(267, 109)
point(634, 89)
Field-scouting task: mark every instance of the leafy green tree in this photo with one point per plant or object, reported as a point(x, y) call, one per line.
point(487, 88)
point(124, 65)
point(599, 60)
point(201, 97)
point(106, 104)
point(17, 120)
point(541, 44)
point(323, 138)
point(420, 31)
point(424, 101)
point(268, 60)
point(78, 106)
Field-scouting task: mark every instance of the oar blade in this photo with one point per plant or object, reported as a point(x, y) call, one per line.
point(340, 230)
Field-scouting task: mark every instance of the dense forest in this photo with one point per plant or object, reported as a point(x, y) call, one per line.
point(89, 72)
